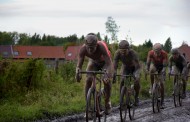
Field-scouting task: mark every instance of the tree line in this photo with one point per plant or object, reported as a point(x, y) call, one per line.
point(15, 38)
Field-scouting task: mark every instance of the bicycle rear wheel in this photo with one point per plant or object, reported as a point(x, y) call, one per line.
point(90, 105)
point(123, 104)
point(131, 104)
point(156, 98)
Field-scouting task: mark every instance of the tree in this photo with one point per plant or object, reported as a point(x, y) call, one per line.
point(112, 28)
point(168, 45)
point(148, 44)
point(98, 35)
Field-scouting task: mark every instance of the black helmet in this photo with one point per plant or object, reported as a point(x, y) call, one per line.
point(157, 47)
point(91, 39)
point(175, 51)
point(124, 44)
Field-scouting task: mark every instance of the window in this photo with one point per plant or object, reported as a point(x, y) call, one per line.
point(69, 54)
point(16, 53)
point(29, 53)
point(5, 53)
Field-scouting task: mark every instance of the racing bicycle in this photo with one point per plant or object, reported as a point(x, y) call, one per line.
point(94, 101)
point(127, 98)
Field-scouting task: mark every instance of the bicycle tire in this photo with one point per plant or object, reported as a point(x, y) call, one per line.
point(180, 93)
point(123, 104)
point(131, 107)
point(101, 100)
point(176, 95)
point(90, 105)
point(155, 98)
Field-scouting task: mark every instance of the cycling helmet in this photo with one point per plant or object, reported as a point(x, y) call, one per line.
point(175, 51)
point(157, 47)
point(124, 44)
point(91, 40)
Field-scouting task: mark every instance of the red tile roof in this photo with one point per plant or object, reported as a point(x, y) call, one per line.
point(71, 52)
point(39, 51)
point(185, 49)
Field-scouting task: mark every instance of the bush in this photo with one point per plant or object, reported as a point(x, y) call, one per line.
point(67, 71)
point(20, 77)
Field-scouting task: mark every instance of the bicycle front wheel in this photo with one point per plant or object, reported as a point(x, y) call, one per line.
point(123, 104)
point(101, 102)
point(180, 93)
point(156, 98)
point(177, 94)
point(131, 104)
point(91, 105)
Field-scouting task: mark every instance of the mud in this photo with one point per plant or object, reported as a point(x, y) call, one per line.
point(144, 113)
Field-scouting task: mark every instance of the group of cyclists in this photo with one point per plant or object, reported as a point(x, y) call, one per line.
point(100, 58)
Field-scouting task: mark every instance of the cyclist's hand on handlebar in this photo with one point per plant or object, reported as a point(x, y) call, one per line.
point(163, 70)
point(106, 79)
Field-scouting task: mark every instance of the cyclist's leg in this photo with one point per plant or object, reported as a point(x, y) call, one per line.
point(184, 86)
point(89, 77)
point(137, 85)
point(174, 71)
point(152, 70)
point(123, 72)
point(162, 93)
point(107, 90)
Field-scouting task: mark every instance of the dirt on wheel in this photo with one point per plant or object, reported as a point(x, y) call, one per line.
point(144, 113)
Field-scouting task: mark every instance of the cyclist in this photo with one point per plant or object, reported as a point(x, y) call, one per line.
point(130, 65)
point(99, 58)
point(178, 63)
point(157, 61)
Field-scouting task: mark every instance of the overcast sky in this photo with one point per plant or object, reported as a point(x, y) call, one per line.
point(139, 19)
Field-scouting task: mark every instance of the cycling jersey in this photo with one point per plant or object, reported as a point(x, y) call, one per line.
point(158, 61)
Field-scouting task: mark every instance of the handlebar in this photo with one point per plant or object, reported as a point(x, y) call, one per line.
point(130, 75)
point(92, 72)
point(174, 74)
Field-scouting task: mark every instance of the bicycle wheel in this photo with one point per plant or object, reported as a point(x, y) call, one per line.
point(123, 104)
point(101, 103)
point(90, 105)
point(177, 98)
point(180, 93)
point(156, 98)
point(131, 104)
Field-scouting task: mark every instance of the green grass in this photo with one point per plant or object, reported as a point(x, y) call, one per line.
point(57, 98)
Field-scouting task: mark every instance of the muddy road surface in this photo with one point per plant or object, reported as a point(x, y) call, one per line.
point(144, 113)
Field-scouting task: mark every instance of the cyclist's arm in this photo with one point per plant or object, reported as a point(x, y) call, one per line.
point(184, 63)
point(148, 61)
point(170, 64)
point(136, 61)
point(108, 60)
point(165, 60)
point(116, 61)
point(137, 66)
point(81, 57)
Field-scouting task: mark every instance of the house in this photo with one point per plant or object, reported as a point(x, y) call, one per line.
point(71, 53)
point(6, 51)
point(50, 54)
point(185, 50)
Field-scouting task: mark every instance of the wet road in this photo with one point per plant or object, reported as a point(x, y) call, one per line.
point(144, 113)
